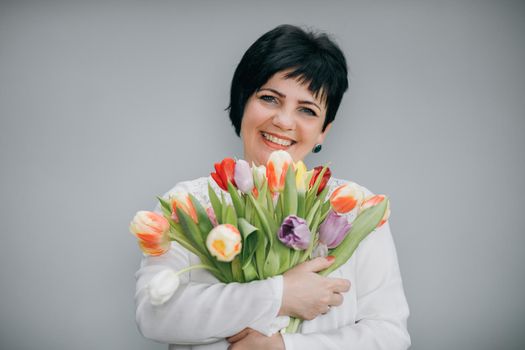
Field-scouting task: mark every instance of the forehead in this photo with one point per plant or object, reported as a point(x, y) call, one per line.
point(295, 87)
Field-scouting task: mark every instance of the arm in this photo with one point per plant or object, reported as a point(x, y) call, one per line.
point(201, 313)
point(382, 309)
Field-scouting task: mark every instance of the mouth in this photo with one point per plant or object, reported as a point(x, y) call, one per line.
point(277, 142)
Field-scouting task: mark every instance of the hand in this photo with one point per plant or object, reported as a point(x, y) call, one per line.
point(306, 294)
point(250, 339)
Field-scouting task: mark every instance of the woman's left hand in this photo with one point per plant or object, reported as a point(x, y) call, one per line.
point(251, 339)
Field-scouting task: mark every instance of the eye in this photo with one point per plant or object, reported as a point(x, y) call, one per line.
point(268, 98)
point(308, 111)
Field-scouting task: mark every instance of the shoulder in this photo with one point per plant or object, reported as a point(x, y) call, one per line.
point(195, 186)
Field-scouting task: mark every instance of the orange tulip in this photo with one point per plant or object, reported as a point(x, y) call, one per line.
point(151, 229)
point(182, 200)
point(346, 197)
point(276, 168)
point(375, 200)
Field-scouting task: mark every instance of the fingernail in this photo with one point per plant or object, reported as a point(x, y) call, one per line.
point(330, 258)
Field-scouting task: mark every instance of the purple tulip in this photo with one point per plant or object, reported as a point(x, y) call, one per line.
point(333, 229)
point(243, 176)
point(294, 233)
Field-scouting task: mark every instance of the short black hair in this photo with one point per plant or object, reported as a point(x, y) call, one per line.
point(312, 58)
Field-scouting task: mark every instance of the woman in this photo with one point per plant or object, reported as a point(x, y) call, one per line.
point(285, 93)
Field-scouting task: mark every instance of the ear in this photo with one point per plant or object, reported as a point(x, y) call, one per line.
point(323, 134)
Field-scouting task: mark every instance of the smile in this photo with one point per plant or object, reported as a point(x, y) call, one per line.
point(277, 140)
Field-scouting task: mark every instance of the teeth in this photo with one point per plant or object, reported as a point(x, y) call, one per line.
point(277, 140)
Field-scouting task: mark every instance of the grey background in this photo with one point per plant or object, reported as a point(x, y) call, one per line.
point(104, 105)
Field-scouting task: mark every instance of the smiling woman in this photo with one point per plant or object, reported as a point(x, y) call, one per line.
point(285, 93)
point(282, 115)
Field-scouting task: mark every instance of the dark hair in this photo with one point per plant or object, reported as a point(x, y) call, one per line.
point(313, 59)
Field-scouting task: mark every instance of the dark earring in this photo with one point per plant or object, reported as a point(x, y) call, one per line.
point(317, 148)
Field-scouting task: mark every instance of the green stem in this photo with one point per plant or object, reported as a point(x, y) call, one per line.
point(293, 326)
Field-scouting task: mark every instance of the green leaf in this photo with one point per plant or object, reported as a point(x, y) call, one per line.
point(290, 194)
point(249, 240)
point(301, 202)
point(260, 254)
point(224, 208)
point(236, 200)
point(250, 273)
point(192, 230)
point(271, 265)
point(203, 221)
point(246, 228)
point(215, 203)
point(311, 213)
point(165, 206)
point(362, 226)
point(237, 273)
point(230, 218)
point(262, 218)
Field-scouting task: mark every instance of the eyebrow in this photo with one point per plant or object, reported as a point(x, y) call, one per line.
point(280, 94)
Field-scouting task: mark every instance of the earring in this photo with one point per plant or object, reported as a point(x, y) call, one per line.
point(317, 148)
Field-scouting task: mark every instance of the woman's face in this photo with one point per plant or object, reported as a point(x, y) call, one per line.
point(282, 115)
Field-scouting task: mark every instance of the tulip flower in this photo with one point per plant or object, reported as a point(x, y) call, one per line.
point(276, 168)
point(151, 229)
point(162, 286)
point(211, 215)
point(374, 200)
point(333, 229)
point(294, 233)
point(346, 197)
point(326, 176)
point(182, 200)
point(301, 176)
point(243, 176)
point(259, 174)
point(224, 172)
point(224, 242)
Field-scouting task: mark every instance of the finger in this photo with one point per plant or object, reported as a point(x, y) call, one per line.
point(340, 285)
point(336, 299)
point(326, 310)
point(235, 338)
point(316, 264)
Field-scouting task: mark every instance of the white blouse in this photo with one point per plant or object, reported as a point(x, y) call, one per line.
point(203, 311)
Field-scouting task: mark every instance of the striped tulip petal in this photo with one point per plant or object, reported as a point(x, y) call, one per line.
point(346, 197)
point(276, 168)
point(151, 230)
point(182, 201)
point(374, 200)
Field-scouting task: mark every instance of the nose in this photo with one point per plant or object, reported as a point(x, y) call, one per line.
point(284, 120)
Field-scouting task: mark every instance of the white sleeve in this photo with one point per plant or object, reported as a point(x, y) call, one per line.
point(382, 309)
point(201, 313)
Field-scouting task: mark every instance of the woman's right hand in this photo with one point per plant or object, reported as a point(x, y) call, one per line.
point(306, 294)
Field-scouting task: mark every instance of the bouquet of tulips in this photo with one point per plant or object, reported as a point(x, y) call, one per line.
point(266, 220)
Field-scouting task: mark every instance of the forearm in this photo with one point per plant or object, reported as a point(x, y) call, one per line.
point(200, 313)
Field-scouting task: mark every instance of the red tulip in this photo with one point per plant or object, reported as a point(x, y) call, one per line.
point(224, 172)
point(326, 176)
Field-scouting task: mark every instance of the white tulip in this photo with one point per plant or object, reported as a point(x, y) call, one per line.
point(162, 286)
